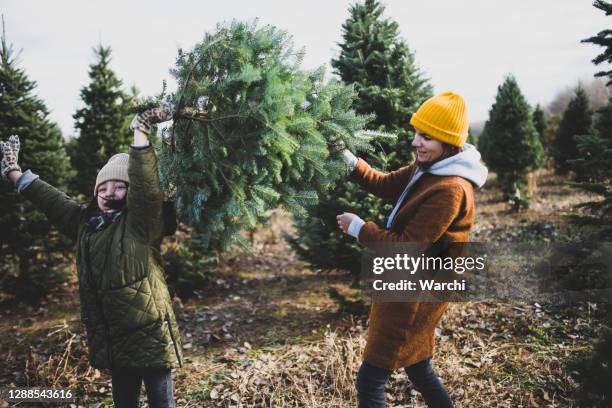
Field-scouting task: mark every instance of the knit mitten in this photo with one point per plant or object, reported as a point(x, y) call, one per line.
point(144, 120)
point(10, 155)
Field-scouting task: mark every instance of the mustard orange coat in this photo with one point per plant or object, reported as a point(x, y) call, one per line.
point(437, 207)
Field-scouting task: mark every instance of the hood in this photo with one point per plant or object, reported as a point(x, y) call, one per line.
point(464, 164)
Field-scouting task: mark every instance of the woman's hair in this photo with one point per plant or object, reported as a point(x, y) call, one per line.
point(447, 151)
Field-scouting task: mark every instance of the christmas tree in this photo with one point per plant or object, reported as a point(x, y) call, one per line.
point(510, 143)
point(539, 122)
point(31, 251)
point(575, 121)
point(379, 63)
point(594, 371)
point(102, 123)
point(383, 71)
point(594, 147)
point(604, 39)
point(590, 166)
point(253, 131)
point(602, 123)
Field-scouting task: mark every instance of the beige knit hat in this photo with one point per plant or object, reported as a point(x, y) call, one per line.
point(115, 169)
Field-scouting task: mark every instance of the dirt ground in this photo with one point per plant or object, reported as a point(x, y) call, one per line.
point(268, 334)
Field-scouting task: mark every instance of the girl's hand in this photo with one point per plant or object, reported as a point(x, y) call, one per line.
point(10, 156)
point(146, 119)
point(344, 220)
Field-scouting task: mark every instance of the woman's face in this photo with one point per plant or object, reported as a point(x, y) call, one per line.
point(427, 148)
point(109, 191)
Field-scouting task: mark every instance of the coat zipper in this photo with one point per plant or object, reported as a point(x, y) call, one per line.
point(109, 354)
point(176, 351)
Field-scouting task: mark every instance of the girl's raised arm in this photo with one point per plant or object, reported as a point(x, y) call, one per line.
point(61, 210)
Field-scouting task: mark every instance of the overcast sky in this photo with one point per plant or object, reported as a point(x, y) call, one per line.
point(466, 46)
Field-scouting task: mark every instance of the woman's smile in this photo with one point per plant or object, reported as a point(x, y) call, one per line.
point(426, 148)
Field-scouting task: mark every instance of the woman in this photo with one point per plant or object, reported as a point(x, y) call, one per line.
point(434, 201)
point(125, 304)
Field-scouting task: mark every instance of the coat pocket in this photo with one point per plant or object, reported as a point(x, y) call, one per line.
point(175, 345)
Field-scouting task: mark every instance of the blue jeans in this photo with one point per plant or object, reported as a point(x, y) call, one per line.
point(127, 385)
point(371, 383)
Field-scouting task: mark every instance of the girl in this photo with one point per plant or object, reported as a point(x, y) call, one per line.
point(434, 201)
point(125, 304)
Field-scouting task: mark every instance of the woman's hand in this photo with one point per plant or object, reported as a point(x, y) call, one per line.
point(347, 156)
point(141, 124)
point(10, 155)
point(344, 220)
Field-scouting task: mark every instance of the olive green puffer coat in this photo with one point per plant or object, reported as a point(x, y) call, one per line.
point(125, 304)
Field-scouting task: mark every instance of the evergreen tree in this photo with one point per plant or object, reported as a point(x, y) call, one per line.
point(510, 144)
point(604, 39)
point(252, 131)
point(472, 138)
point(32, 252)
point(539, 122)
point(102, 123)
point(379, 63)
point(576, 120)
point(594, 372)
point(602, 124)
point(383, 71)
point(550, 135)
point(590, 166)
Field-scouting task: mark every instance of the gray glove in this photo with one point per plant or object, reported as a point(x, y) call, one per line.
point(144, 120)
point(349, 158)
point(10, 155)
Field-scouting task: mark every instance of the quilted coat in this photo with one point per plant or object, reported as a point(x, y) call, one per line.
point(438, 207)
point(125, 304)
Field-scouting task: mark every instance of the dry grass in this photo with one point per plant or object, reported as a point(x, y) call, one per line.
point(268, 335)
point(310, 374)
point(489, 355)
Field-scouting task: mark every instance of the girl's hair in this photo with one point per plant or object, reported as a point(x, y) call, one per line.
point(169, 215)
point(91, 208)
point(447, 151)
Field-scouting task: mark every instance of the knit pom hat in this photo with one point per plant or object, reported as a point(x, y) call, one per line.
point(115, 169)
point(443, 117)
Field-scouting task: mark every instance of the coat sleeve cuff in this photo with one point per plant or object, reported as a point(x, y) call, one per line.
point(355, 227)
point(350, 159)
point(25, 180)
point(141, 147)
point(360, 168)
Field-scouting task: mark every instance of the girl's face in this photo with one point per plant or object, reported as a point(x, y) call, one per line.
point(427, 148)
point(109, 191)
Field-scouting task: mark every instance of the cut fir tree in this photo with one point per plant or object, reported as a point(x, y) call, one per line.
point(253, 131)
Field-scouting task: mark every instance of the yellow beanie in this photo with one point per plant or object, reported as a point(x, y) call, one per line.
point(115, 169)
point(443, 117)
